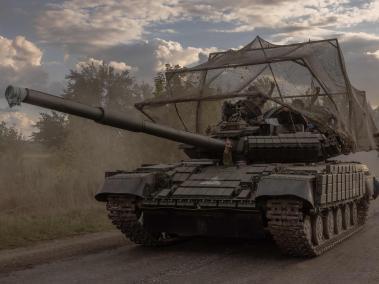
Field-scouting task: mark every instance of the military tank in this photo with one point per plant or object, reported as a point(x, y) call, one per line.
point(260, 152)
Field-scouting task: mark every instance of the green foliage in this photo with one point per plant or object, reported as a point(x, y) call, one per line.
point(97, 85)
point(9, 137)
point(52, 130)
point(160, 84)
point(102, 85)
point(104, 146)
point(178, 82)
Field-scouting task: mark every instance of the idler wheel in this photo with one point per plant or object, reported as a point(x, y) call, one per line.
point(338, 221)
point(354, 214)
point(329, 224)
point(346, 217)
point(317, 230)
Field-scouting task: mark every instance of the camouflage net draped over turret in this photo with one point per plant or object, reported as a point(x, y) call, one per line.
point(309, 77)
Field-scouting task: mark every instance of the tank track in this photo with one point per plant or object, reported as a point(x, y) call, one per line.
point(124, 214)
point(287, 225)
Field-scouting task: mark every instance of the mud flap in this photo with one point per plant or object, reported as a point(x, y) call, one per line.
point(134, 184)
point(287, 185)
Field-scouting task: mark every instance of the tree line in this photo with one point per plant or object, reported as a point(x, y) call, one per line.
point(94, 85)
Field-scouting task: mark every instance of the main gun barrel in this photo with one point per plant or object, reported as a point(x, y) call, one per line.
point(16, 95)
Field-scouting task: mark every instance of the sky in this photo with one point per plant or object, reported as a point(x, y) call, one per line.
point(40, 41)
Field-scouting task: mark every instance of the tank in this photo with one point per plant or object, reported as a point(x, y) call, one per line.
point(264, 167)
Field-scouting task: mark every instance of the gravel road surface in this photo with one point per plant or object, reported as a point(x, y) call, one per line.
point(214, 261)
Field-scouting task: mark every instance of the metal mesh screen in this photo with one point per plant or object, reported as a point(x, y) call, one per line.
point(308, 77)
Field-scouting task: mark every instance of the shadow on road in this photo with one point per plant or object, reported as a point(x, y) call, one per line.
point(259, 249)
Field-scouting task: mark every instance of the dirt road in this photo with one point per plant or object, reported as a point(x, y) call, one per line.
point(215, 261)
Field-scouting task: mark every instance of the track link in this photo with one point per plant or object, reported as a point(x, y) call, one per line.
point(287, 222)
point(124, 214)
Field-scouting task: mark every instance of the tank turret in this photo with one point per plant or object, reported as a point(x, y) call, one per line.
point(262, 141)
point(16, 95)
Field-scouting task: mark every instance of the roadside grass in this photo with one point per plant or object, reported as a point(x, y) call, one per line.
point(25, 229)
point(41, 199)
point(49, 194)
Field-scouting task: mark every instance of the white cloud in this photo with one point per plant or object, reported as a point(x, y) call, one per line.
point(302, 35)
point(95, 62)
point(83, 25)
point(19, 53)
point(117, 66)
point(87, 25)
point(121, 66)
point(149, 57)
point(173, 53)
point(238, 29)
point(20, 121)
point(20, 63)
point(248, 15)
point(168, 31)
point(361, 39)
point(375, 54)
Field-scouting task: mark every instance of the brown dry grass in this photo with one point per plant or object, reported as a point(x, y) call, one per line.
point(41, 200)
point(50, 194)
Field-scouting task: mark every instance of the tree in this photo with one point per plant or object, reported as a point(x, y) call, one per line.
point(102, 85)
point(93, 148)
point(9, 137)
point(160, 84)
point(52, 130)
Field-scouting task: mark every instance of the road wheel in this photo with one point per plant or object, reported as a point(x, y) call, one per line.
point(307, 227)
point(317, 230)
point(354, 214)
point(338, 221)
point(346, 217)
point(329, 224)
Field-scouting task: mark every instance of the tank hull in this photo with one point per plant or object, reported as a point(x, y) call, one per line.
point(297, 202)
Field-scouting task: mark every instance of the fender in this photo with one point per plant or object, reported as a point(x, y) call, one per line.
point(134, 184)
point(287, 185)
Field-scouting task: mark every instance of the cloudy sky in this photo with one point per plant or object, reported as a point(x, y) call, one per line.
point(41, 40)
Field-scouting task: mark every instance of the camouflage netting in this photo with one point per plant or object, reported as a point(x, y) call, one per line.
point(308, 77)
